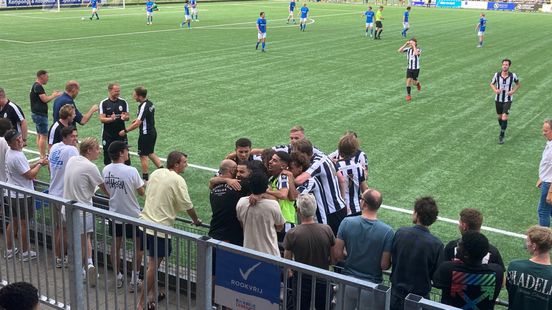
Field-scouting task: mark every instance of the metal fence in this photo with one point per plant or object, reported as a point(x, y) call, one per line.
point(183, 281)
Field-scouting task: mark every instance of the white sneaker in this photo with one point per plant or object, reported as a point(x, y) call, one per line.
point(10, 253)
point(134, 286)
point(27, 256)
point(119, 280)
point(91, 275)
point(59, 262)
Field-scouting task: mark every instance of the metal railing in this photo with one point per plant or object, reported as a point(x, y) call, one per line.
point(183, 280)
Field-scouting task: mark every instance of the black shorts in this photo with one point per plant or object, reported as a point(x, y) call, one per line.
point(162, 250)
point(146, 144)
point(503, 107)
point(22, 208)
point(129, 230)
point(412, 74)
point(379, 24)
point(335, 219)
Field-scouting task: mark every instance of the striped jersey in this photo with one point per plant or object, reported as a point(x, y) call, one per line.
point(146, 113)
point(54, 134)
point(505, 85)
point(312, 186)
point(354, 176)
point(287, 148)
point(14, 114)
point(323, 169)
point(360, 158)
point(412, 59)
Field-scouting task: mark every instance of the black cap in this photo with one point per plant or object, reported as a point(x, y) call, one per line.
point(11, 135)
point(117, 146)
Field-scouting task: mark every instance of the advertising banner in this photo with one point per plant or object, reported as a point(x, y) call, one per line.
point(245, 283)
point(474, 5)
point(449, 4)
point(528, 7)
point(418, 3)
point(23, 3)
point(501, 6)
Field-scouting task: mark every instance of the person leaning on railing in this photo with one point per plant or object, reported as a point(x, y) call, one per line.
point(166, 195)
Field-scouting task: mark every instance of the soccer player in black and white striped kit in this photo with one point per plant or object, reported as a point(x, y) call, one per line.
point(413, 69)
point(504, 84)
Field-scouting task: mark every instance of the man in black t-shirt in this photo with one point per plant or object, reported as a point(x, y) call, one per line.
point(224, 222)
point(66, 117)
point(113, 115)
point(466, 283)
point(471, 220)
point(39, 109)
point(148, 135)
point(11, 111)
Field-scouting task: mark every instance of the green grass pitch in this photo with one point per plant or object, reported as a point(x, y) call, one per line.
point(211, 87)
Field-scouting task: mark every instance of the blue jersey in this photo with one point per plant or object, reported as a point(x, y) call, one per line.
point(304, 12)
point(482, 24)
point(292, 5)
point(94, 3)
point(369, 16)
point(261, 23)
point(405, 18)
point(149, 6)
point(186, 9)
point(193, 3)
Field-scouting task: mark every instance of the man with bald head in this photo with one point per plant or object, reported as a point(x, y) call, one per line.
point(367, 242)
point(72, 89)
point(224, 222)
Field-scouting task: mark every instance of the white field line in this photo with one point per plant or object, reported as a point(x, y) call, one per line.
point(401, 210)
point(158, 31)
point(30, 15)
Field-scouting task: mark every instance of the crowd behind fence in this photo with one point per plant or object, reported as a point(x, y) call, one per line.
point(184, 281)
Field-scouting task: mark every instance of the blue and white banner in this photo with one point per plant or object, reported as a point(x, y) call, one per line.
point(449, 4)
point(418, 3)
point(501, 6)
point(23, 3)
point(246, 284)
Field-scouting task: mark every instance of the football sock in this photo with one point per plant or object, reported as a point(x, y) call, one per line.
point(145, 176)
point(503, 127)
point(189, 24)
point(500, 123)
point(257, 46)
point(90, 262)
point(263, 45)
point(408, 89)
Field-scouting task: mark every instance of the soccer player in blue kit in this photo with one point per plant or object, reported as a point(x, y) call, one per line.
point(187, 18)
point(304, 15)
point(291, 10)
point(94, 5)
point(406, 25)
point(480, 28)
point(369, 21)
point(261, 31)
point(149, 12)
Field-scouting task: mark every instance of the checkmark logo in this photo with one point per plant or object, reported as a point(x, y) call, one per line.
point(246, 274)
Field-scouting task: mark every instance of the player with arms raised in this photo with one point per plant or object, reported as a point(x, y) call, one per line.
point(410, 48)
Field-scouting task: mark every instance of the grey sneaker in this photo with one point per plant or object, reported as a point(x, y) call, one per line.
point(500, 139)
point(119, 280)
point(9, 254)
point(27, 256)
point(91, 275)
point(134, 286)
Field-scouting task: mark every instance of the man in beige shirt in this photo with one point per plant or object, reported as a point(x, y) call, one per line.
point(166, 195)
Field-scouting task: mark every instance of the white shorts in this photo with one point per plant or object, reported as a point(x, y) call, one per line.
point(149, 13)
point(369, 25)
point(261, 35)
point(405, 25)
point(303, 20)
point(194, 11)
point(94, 10)
point(290, 13)
point(480, 33)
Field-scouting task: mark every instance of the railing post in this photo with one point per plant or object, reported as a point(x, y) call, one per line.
point(382, 297)
point(411, 302)
point(204, 273)
point(74, 223)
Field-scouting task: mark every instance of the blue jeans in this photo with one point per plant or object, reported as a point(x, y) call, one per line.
point(545, 209)
point(41, 123)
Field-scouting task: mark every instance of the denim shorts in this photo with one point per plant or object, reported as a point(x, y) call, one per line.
point(41, 123)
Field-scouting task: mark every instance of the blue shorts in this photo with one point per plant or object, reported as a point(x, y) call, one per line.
point(162, 251)
point(41, 123)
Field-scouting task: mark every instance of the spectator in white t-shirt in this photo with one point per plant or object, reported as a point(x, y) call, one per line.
point(123, 183)
point(5, 125)
point(81, 179)
point(19, 173)
point(60, 153)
